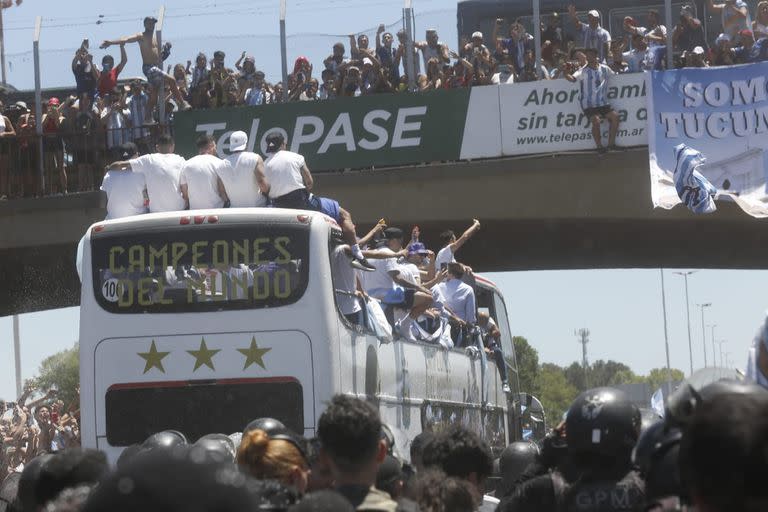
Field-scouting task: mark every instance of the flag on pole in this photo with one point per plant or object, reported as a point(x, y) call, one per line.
point(657, 402)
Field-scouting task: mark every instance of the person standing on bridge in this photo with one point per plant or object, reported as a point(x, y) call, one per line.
point(201, 186)
point(288, 185)
point(242, 174)
point(162, 171)
point(593, 83)
point(593, 36)
point(152, 58)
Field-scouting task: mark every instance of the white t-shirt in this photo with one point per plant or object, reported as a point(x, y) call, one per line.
point(444, 255)
point(283, 172)
point(344, 279)
point(199, 174)
point(379, 282)
point(162, 173)
point(503, 78)
point(410, 272)
point(125, 194)
point(238, 173)
point(459, 297)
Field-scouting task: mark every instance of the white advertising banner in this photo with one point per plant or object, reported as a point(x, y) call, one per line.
point(546, 116)
point(721, 116)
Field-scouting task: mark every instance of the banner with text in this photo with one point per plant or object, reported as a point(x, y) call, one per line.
point(346, 133)
point(721, 113)
point(546, 116)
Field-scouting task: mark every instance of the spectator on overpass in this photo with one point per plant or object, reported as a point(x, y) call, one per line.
point(617, 63)
point(201, 186)
point(242, 174)
point(86, 75)
point(593, 85)
point(553, 32)
point(432, 48)
point(477, 53)
point(734, 15)
point(760, 25)
point(334, 61)
point(388, 57)
point(636, 57)
point(162, 172)
point(126, 191)
point(201, 83)
point(750, 50)
point(689, 32)
point(529, 72)
point(109, 72)
point(518, 42)
point(451, 245)
point(7, 136)
point(655, 34)
point(591, 34)
point(695, 58)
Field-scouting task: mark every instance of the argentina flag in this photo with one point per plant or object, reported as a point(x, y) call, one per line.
point(694, 190)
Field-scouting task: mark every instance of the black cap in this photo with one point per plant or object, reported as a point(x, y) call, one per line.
point(393, 233)
point(127, 150)
point(275, 141)
point(150, 18)
point(389, 472)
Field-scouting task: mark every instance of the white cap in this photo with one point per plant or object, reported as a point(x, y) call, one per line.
point(476, 35)
point(593, 13)
point(698, 50)
point(238, 141)
point(722, 38)
point(367, 61)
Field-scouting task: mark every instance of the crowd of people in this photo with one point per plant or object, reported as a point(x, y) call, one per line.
point(709, 453)
point(83, 131)
point(29, 428)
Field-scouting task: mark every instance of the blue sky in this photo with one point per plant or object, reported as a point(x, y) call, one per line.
point(622, 309)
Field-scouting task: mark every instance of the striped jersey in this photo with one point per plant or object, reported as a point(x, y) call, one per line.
point(595, 38)
point(592, 85)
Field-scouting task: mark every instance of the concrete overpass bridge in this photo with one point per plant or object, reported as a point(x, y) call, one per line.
point(563, 211)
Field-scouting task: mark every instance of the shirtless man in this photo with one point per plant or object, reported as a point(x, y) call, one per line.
point(152, 65)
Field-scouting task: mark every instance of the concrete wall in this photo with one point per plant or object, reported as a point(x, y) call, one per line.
point(548, 212)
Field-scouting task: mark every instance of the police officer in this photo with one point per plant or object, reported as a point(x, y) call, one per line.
point(601, 429)
point(513, 462)
point(656, 458)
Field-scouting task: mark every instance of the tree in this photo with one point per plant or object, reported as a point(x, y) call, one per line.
point(527, 365)
point(657, 377)
point(609, 373)
point(556, 393)
point(61, 372)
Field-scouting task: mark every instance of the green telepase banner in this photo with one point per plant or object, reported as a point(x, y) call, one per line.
point(346, 133)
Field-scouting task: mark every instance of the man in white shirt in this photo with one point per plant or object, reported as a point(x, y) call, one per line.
point(162, 172)
point(126, 191)
point(242, 174)
point(201, 186)
point(451, 245)
point(505, 71)
point(391, 284)
point(288, 185)
point(458, 299)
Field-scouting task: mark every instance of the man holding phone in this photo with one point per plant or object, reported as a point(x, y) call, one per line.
point(505, 72)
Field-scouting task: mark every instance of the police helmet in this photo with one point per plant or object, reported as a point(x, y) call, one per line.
point(217, 447)
point(268, 425)
point(236, 438)
point(127, 454)
point(166, 439)
point(601, 421)
point(684, 401)
point(516, 458)
point(656, 456)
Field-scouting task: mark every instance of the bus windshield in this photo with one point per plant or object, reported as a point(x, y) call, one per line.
point(206, 268)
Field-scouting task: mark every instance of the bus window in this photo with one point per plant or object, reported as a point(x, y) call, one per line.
point(199, 408)
point(205, 268)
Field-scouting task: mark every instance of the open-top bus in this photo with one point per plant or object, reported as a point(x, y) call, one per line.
point(202, 321)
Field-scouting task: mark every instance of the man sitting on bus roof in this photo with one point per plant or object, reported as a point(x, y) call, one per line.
point(389, 284)
point(492, 344)
point(201, 187)
point(458, 299)
point(126, 192)
point(162, 171)
point(242, 174)
point(288, 185)
point(451, 244)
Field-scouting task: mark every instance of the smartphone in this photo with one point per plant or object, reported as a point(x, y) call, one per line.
point(443, 266)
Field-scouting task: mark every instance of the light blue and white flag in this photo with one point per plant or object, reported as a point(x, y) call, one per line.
point(694, 190)
point(657, 402)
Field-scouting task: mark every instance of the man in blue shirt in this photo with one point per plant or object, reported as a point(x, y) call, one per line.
point(593, 85)
point(750, 50)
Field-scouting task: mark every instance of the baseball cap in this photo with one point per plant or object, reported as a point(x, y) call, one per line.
point(746, 33)
point(54, 101)
point(418, 248)
point(367, 62)
point(274, 141)
point(21, 105)
point(238, 141)
point(698, 50)
point(150, 18)
point(393, 233)
point(686, 10)
point(593, 13)
point(477, 35)
point(722, 38)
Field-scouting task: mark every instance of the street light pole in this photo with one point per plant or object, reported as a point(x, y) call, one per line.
point(666, 335)
point(704, 333)
point(714, 353)
point(721, 351)
point(688, 313)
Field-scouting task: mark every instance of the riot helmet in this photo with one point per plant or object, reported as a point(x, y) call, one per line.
point(684, 401)
point(166, 439)
point(602, 421)
point(268, 425)
point(656, 457)
point(216, 447)
point(516, 458)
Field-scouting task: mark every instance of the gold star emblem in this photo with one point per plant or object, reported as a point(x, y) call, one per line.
point(203, 356)
point(153, 358)
point(254, 354)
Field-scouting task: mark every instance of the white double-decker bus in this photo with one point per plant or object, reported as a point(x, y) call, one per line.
point(202, 321)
